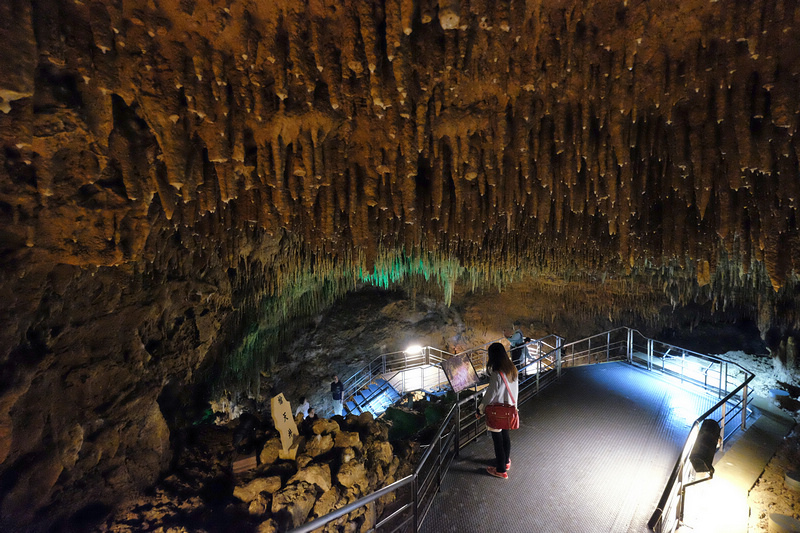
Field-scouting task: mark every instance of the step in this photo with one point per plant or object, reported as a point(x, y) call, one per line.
point(393, 394)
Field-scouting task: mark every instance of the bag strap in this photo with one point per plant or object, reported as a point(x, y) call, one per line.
point(503, 375)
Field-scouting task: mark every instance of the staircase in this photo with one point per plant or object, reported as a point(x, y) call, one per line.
point(374, 398)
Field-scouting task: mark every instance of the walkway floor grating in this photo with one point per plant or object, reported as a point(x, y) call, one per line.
point(593, 454)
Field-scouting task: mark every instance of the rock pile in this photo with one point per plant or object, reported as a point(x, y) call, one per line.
point(339, 461)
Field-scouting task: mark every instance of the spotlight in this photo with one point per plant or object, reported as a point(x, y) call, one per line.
point(702, 456)
point(414, 350)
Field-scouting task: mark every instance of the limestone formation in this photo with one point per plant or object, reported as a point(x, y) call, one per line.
point(347, 439)
point(184, 186)
point(318, 445)
point(318, 475)
point(250, 491)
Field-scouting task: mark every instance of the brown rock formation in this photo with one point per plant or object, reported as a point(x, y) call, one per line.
point(181, 183)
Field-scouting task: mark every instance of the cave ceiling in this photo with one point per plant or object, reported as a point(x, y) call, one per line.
point(180, 179)
point(606, 134)
point(248, 162)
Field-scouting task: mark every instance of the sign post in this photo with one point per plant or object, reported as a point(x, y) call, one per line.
point(285, 424)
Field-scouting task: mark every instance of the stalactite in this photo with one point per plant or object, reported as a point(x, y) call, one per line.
point(521, 130)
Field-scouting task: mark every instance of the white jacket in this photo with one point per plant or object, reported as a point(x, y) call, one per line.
point(497, 392)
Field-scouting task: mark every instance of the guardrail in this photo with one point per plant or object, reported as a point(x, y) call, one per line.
point(426, 360)
point(413, 495)
point(728, 380)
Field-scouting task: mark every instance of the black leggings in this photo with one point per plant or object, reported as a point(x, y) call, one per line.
point(502, 449)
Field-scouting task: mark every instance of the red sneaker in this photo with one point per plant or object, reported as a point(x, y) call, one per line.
point(508, 465)
point(493, 472)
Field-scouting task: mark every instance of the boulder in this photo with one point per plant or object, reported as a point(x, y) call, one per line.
point(348, 454)
point(347, 439)
point(318, 445)
point(293, 503)
point(353, 474)
point(378, 430)
point(250, 491)
point(271, 451)
point(380, 452)
point(383, 501)
point(391, 470)
point(329, 501)
point(267, 526)
point(303, 460)
point(370, 517)
point(322, 426)
point(315, 474)
point(259, 506)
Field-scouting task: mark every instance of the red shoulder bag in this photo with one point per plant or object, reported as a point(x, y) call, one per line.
point(503, 415)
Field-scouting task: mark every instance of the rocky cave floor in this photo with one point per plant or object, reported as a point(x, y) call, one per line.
point(770, 494)
point(202, 493)
point(196, 495)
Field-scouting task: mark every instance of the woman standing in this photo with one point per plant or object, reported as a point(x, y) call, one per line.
point(500, 391)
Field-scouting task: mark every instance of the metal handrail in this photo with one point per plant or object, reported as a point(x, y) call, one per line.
point(448, 440)
point(676, 479)
point(354, 506)
point(387, 363)
point(670, 491)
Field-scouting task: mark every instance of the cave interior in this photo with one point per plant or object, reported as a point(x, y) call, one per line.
point(193, 191)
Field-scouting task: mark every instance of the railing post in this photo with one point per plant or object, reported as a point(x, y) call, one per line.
point(608, 345)
point(726, 378)
point(630, 346)
point(722, 428)
point(458, 423)
point(416, 502)
point(439, 463)
point(744, 408)
point(683, 364)
point(558, 360)
point(650, 354)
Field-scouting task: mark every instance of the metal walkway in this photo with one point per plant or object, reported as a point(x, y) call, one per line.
point(593, 454)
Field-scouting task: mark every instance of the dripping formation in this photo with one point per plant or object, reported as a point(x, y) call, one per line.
point(186, 183)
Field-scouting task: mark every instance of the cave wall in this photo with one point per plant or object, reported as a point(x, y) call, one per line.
point(181, 181)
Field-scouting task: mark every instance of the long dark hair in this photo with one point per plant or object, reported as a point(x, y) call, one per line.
point(499, 360)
